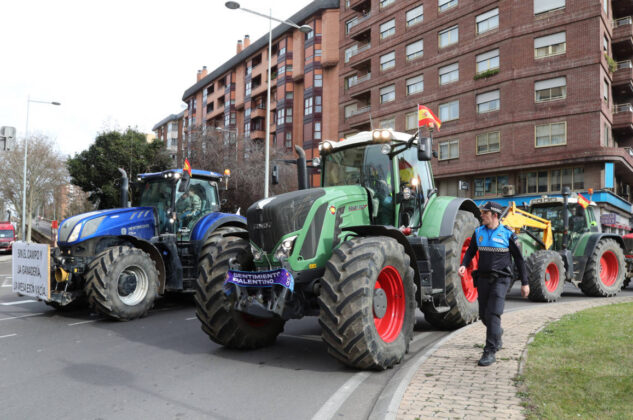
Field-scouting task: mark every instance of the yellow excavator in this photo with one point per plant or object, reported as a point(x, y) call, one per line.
point(518, 220)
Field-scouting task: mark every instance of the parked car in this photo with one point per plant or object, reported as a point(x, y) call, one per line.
point(7, 237)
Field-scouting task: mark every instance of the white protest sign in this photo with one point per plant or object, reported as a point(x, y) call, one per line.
point(31, 270)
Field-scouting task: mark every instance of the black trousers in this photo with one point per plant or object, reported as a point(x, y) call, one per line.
point(492, 299)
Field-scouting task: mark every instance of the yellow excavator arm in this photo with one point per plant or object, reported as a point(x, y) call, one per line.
point(518, 219)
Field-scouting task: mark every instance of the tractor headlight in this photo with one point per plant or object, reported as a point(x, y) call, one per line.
point(285, 248)
point(257, 253)
point(74, 235)
point(381, 136)
point(385, 149)
point(91, 226)
point(325, 147)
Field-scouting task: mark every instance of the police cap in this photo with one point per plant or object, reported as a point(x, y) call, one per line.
point(492, 206)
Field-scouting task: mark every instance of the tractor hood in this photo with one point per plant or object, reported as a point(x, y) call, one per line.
point(270, 219)
point(135, 221)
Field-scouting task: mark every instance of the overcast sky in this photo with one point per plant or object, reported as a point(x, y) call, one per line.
point(113, 64)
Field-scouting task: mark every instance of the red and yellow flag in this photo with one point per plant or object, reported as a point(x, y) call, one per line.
point(583, 201)
point(427, 117)
point(187, 167)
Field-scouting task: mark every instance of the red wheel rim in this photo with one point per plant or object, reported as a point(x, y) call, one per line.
point(390, 325)
point(552, 277)
point(608, 268)
point(470, 291)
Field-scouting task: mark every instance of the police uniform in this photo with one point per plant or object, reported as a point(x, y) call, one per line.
point(493, 278)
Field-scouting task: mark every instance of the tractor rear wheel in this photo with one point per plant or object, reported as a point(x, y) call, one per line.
point(461, 293)
point(122, 283)
point(223, 324)
point(605, 270)
point(367, 303)
point(546, 276)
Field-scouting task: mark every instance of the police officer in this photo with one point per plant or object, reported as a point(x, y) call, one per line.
point(496, 243)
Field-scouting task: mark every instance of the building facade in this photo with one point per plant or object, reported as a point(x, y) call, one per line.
point(304, 89)
point(533, 95)
point(170, 130)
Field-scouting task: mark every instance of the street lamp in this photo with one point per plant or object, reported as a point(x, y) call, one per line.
point(26, 151)
point(303, 28)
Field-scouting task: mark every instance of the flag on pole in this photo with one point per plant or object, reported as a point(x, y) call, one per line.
point(427, 117)
point(583, 201)
point(187, 167)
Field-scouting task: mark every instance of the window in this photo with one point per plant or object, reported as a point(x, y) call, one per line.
point(549, 45)
point(487, 102)
point(553, 134)
point(387, 29)
point(543, 6)
point(247, 129)
point(605, 6)
point(288, 139)
point(350, 110)
point(289, 95)
point(449, 111)
point(606, 135)
point(490, 185)
point(282, 51)
point(449, 74)
point(415, 85)
point(488, 61)
point(411, 121)
point(280, 116)
point(289, 115)
point(488, 143)
point(388, 123)
point(308, 104)
point(554, 180)
point(448, 36)
point(605, 90)
point(317, 104)
point(387, 94)
point(309, 35)
point(415, 50)
point(415, 15)
point(605, 44)
point(446, 4)
point(449, 150)
point(487, 21)
point(247, 91)
point(317, 130)
point(385, 3)
point(551, 89)
point(388, 60)
point(318, 80)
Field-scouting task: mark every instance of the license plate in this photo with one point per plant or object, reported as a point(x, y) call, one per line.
point(280, 277)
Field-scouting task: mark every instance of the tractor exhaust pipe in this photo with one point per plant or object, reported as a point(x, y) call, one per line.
point(302, 169)
point(124, 187)
point(565, 193)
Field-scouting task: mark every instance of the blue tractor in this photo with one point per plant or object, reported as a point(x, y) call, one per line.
point(120, 260)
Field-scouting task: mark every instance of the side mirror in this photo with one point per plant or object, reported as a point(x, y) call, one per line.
point(184, 184)
point(275, 175)
point(425, 146)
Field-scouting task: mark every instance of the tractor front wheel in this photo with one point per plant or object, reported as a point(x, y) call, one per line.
point(367, 303)
point(223, 324)
point(604, 274)
point(546, 275)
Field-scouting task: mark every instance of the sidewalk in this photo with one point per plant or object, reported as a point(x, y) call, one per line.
point(449, 384)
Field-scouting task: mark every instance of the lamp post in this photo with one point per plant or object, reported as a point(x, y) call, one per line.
point(303, 28)
point(26, 151)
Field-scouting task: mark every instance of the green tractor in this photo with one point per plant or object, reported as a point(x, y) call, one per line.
point(581, 253)
point(360, 252)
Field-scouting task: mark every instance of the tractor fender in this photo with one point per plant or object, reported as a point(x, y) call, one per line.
point(209, 223)
point(582, 253)
point(439, 215)
point(154, 254)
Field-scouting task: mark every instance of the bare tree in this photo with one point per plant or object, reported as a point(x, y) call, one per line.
point(46, 171)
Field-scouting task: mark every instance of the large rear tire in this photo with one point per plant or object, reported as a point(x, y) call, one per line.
point(461, 294)
point(122, 283)
point(546, 276)
point(605, 270)
point(223, 324)
point(367, 303)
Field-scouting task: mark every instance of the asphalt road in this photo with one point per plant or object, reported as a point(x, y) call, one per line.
point(77, 365)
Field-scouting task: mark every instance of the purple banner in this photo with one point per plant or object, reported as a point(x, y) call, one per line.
point(279, 277)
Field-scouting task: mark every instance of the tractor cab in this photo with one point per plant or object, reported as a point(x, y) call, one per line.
point(179, 202)
point(387, 165)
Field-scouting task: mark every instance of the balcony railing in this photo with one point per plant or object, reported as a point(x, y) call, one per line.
point(356, 80)
point(351, 53)
point(357, 20)
point(627, 64)
point(623, 21)
point(622, 108)
point(358, 111)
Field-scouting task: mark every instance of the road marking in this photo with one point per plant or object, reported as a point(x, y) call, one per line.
point(8, 335)
point(85, 322)
point(339, 396)
point(7, 285)
point(192, 318)
point(21, 316)
point(18, 302)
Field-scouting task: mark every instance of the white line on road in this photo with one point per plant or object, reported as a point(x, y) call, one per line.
point(17, 302)
point(85, 322)
point(339, 396)
point(192, 318)
point(8, 335)
point(21, 316)
point(7, 285)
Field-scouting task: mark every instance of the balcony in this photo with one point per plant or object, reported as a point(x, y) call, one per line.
point(621, 7)
point(356, 80)
point(258, 112)
point(623, 80)
point(623, 119)
point(357, 49)
point(350, 24)
point(622, 42)
point(258, 134)
point(352, 112)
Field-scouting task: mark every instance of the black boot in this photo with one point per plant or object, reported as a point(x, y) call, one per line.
point(500, 345)
point(487, 359)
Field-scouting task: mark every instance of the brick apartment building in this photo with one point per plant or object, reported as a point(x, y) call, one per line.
point(170, 130)
point(532, 94)
point(304, 93)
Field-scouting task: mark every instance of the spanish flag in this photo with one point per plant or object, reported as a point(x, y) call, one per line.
point(187, 167)
point(582, 201)
point(427, 117)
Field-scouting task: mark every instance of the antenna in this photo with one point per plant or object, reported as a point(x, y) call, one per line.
point(371, 123)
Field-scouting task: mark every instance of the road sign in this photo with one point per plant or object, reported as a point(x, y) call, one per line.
point(31, 269)
point(7, 135)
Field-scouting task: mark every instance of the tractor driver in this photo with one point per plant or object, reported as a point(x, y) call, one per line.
point(188, 206)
